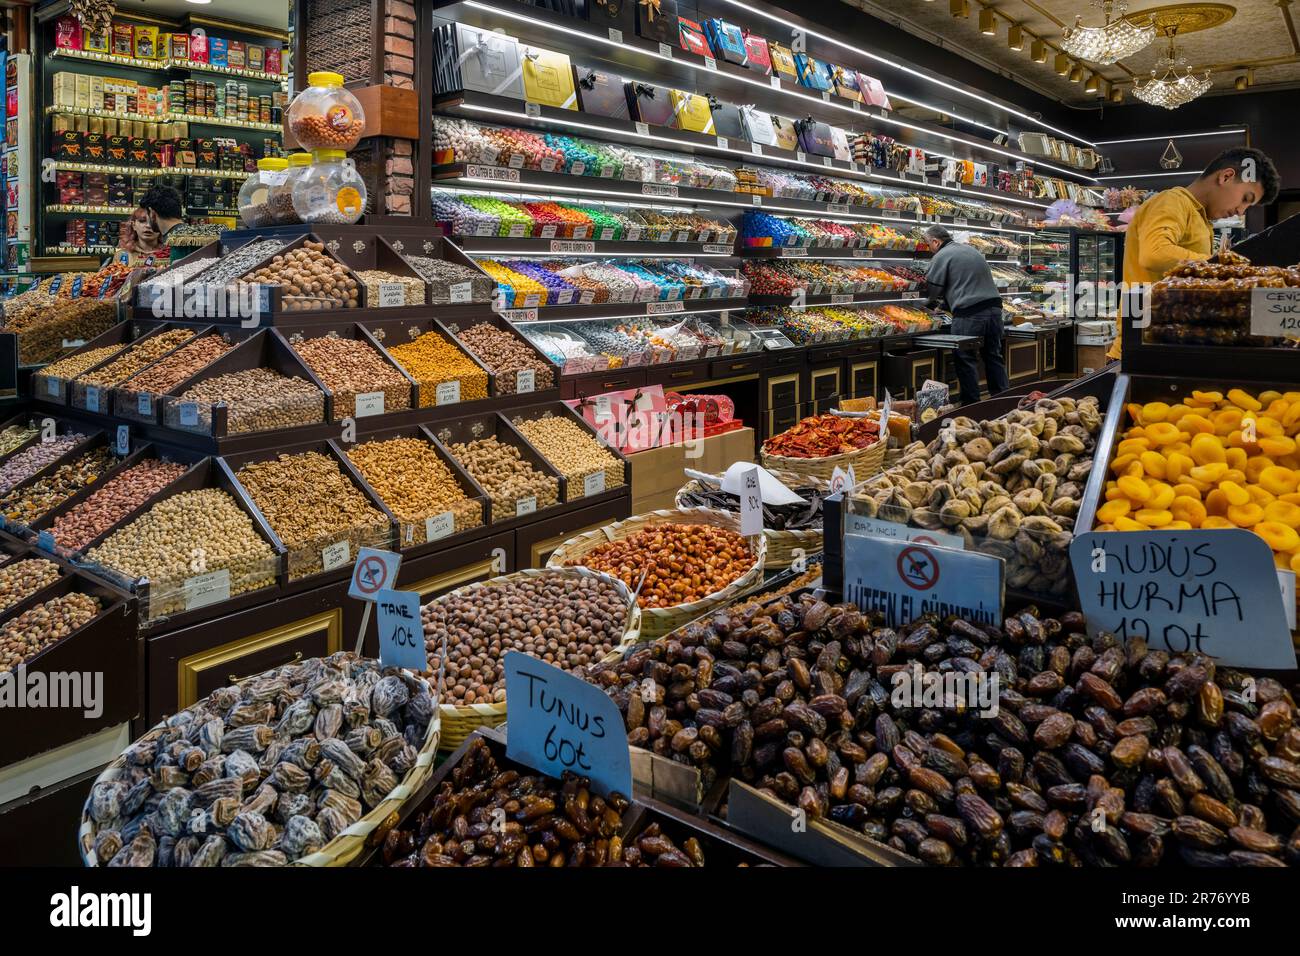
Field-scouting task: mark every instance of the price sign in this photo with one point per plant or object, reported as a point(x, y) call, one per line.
point(665, 51)
point(548, 164)
point(774, 81)
point(144, 405)
point(659, 189)
point(401, 635)
point(92, 398)
point(886, 407)
point(593, 484)
point(757, 199)
point(751, 504)
point(794, 252)
point(710, 63)
point(905, 579)
point(890, 214)
point(723, 143)
point(861, 524)
point(335, 555)
point(532, 109)
point(863, 253)
point(461, 292)
point(516, 161)
point(123, 444)
point(843, 299)
point(960, 221)
point(826, 96)
point(53, 386)
point(374, 571)
point(204, 589)
point(391, 294)
point(497, 173)
point(827, 161)
point(642, 129)
point(525, 506)
point(447, 393)
point(1275, 312)
point(525, 381)
point(659, 308)
point(518, 230)
point(188, 413)
point(616, 35)
point(911, 295)
point(565, 245)
point(837, 207)
point(756, 149)
point(607, 234)
point(1212, 592)
point(577, 168)
point(439, 526)
point(558, 722)
point(370, 403)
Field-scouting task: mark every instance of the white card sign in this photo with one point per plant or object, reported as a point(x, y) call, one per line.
point(1214, 591)
point(1275, 312)
point(751, 504)
point(204, 589)
point(391, 295)
point(861, 524)
point(593, 484)
point(905, 579)
point(335, 555)
point(447, 393)
point(439, 526)
point(370, 403)
point(401, 635)
point(525, 381)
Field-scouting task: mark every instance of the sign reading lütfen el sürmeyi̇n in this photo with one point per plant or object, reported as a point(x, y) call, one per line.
point(1215, 592)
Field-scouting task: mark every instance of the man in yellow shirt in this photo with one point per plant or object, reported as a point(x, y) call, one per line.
point(1176, 225)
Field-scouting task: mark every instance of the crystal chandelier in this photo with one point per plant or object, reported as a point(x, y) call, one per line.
point(1172, 83)
point(1109, 43)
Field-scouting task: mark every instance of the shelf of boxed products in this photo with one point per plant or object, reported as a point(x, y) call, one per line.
point(80, 209)
point(164, 65)
point(662, 62)
point(62, 165)
point(501, 179)
point(166, 117)
point(473, 105)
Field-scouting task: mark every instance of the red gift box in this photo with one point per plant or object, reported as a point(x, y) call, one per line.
point(691, 36)
point(760, 60)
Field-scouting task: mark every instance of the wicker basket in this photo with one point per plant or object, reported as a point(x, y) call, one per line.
point(865, 462)
point(657, 621)
point(340, 851)
point(781, 545)
point(461, 720)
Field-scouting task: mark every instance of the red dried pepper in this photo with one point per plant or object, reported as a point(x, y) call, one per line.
point(821, 436)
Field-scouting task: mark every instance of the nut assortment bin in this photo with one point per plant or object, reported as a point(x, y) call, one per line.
point(54, 389)
point(97, 439)
point(105, 650)
point(386, 259)
point(30, 419)
point(428, 393)
point(347, 403)
point(163, 297)
point(328, 556)
point(141, 453)
point(414, 536)
point(578, 489)
point(264, 349)
point(497, 386)
point(144, 406)
point(491, 425)
point(98, 398)
point(62, 426)
point(183, 597)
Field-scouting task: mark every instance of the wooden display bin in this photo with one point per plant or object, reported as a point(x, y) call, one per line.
point(570, 492)
point(402, 331)
point(54, 390)
point(336, 406)
point(98, 399)
point(94, 439)
point(145, 408)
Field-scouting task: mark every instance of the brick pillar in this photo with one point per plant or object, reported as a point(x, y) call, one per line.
point(399, 71)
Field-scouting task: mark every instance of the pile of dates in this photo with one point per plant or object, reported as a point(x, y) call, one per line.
point(1095, 754)
point(487, 815)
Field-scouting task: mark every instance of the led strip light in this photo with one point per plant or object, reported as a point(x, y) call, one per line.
point(748, 154)
point(885, 117)
point(919, 75)
point(605, 318)
point(1150, 139)
point(803, 213)
point(1185, 173)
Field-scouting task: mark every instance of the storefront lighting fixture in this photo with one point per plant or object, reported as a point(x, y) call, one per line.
point(988, 23)
point(1111, 42)
point(1015, 37)
point(1038, 51)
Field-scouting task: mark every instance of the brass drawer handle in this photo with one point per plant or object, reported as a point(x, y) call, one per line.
point(235, 680)
point(619, 384)
point(737, 366)
point(681, 374)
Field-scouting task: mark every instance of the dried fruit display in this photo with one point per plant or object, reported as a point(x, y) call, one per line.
point(1085, 753)
point(264, 772)
point(542, 821)
point(821, 436)
point(1009, 487)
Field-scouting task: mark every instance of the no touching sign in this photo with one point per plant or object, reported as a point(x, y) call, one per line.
point(905, 579)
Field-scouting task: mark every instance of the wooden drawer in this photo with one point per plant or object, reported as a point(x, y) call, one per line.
point(825, 386)
point(608, 381)
point(906, 371)
point(677, 377)
point(782, 390)
point(780, 361)
point(780, 419)
point(1022, 359)
point(736, 365)
point(864, 377)
point(535, 543)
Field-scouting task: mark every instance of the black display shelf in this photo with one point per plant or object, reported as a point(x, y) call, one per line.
point(839, 298)
point(729, 82)
point(839, 252)
point(622, 310)
point(503, 178)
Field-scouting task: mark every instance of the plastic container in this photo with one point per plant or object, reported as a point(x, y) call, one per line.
point(279, 201)
point(325, 115)
point(254, 194)
point(330, 190)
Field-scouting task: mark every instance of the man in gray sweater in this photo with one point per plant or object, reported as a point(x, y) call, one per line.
point(960, 279)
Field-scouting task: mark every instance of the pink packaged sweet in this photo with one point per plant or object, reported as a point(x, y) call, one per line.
point(199, 46)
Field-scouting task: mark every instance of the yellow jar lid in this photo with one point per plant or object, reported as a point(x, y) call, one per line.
point(299, 159)
point(324, 78)
point(273, 163)
point(329, 155)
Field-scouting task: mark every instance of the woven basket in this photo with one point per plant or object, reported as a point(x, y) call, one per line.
point(657, 621)
point(865, 463)
point(461, 720)
point(781, 545)
point(340, 851)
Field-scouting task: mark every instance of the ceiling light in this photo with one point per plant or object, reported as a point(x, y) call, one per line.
point(1111, 42)
point(1038, 51)
point(959, 8)
point(1015, 37)
point(1117, 94)
point(1241, 82)
point(1093, 84)
point(198, 1)
point(1172, 83)
point(1062, 64)
point(1076, 73)
point(988, 22)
